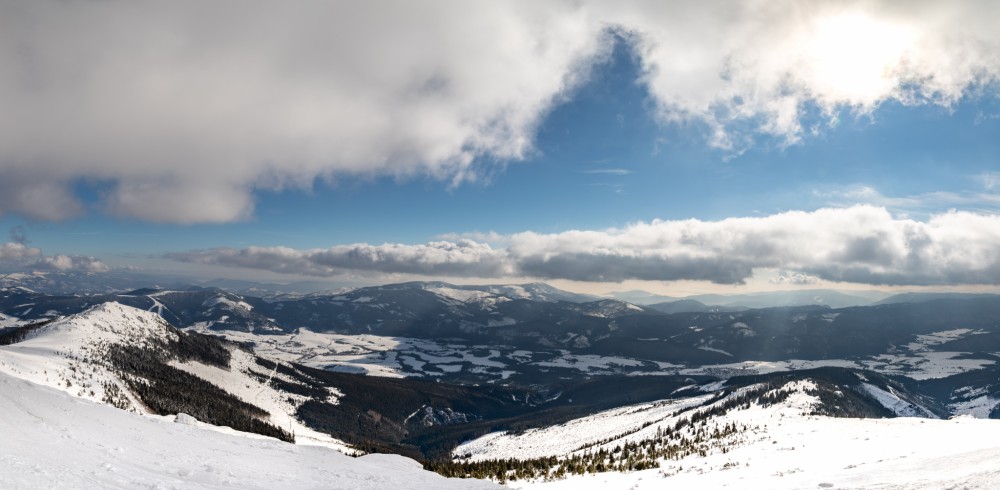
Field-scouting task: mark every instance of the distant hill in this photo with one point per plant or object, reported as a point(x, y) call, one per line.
point(639, 297)
point(692, 306)
point(768, 299)
point(925, 297)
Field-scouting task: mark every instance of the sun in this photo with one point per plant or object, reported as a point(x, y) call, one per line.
point(855, 59)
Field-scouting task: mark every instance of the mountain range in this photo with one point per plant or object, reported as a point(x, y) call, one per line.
point(456, 376)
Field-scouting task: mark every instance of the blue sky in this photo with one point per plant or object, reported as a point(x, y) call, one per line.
point(609, 147)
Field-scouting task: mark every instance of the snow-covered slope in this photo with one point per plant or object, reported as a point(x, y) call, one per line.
point(9, 321)
point(52, 440)
point(795, 452)
point(56, 354)
point(70, 355)
point(774, 446)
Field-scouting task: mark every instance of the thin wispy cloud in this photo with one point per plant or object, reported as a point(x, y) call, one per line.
point(609, 171)
point(918, 204)
point(614, 187)
point(989, 180)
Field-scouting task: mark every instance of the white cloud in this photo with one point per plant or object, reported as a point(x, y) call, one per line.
point(861, 244)
point(67, 263)
point(14, 251)
point(763, 63)
point(19, 255)
point(609, 171)
point(183, 109)
point(794, 278)
point(441, 258)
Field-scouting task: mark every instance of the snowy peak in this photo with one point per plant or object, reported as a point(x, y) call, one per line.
point(112, 322)
point(610, 308)
point(845, 392)
point(227, 300)
point(535, 291)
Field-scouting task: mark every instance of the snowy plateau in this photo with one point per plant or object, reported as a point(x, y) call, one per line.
point(208, 389)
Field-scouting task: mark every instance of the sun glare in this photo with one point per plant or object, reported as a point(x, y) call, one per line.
point(856, 59)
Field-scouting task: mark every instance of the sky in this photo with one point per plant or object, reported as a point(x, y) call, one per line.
point(675, 147)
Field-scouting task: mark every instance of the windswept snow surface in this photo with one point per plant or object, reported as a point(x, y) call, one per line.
point(52, 440)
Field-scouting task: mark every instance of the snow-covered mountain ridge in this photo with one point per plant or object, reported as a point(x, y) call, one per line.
point(100, 355)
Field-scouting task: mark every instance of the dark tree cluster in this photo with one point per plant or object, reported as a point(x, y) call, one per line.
point(114, 396)
point(167, 390)
point(193, 346)
point(305, 385)
point(15, 335)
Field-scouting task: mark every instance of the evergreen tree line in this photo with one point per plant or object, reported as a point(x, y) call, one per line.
point(672, 443)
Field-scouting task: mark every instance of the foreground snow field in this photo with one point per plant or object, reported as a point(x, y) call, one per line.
point(50, 439)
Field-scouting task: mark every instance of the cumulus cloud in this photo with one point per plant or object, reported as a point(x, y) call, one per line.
point(17, 254)
point(764, 64)
point(460, 258)
point(181, 110)
point(794, 278)
point(17, 251)
point(860, 244)
point(185, 108)
point(70, 263)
